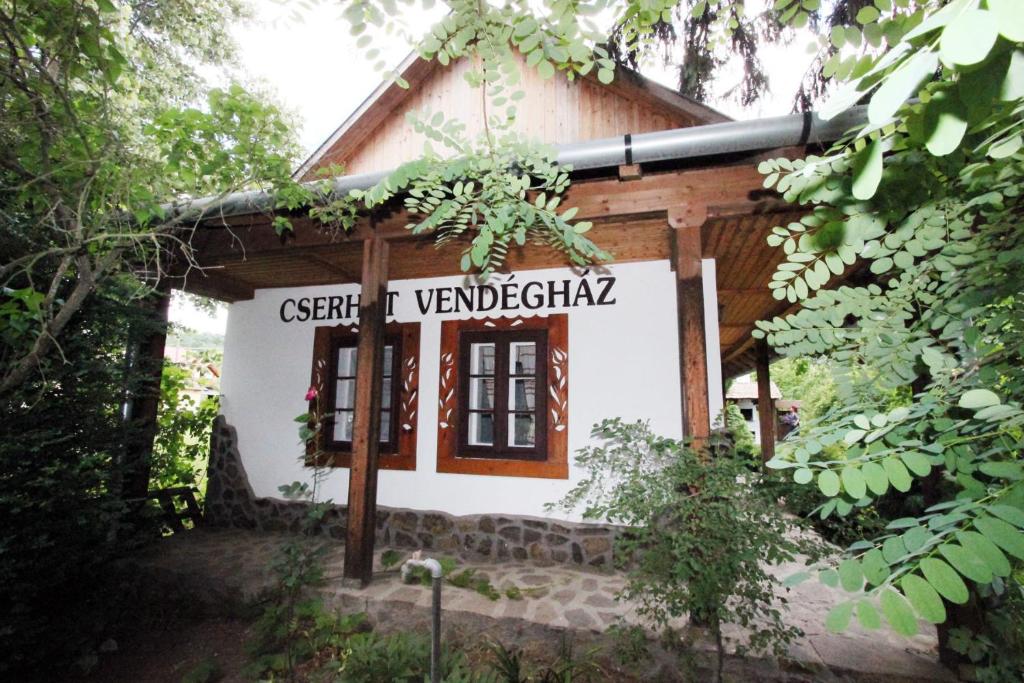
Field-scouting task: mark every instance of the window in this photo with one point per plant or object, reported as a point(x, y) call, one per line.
point(342, 396)
point(334, 375)
point(748, 413)
point(504, 411)
point(504, 397)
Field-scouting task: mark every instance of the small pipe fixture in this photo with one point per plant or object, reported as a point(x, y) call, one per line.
point(666, 145)
point(434, 567)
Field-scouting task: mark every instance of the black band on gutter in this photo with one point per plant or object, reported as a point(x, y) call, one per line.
point(628, 140)
point(805, 130)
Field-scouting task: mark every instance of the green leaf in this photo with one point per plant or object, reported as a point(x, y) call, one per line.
point(1009, 18)
point(1003, 470)
point(897, 473)
point(850, 576)
point(545, 69)
point(925, 601)
point(971, 566)
point(975, 399)
point(606, 76)
point(914, 539)
point(945, 124)
point(901, 85)
point(829, 577)
point(867, 170)
point(893, 549)
point(1002, 534)
point(867, 14)
point(916, 463)
point(828, 482)
point(838, 618)
point(875, 478)
point(944, 579)
point(803, 476)
point(985, 549)
point(1007, 513)
point(874, 566)
point(868, 616)
point(853, 482)
point(969, 38)
point(898, 612)
point(1006, 148)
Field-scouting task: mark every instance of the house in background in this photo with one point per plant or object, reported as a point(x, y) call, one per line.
point(454, 404)
point(744, 393)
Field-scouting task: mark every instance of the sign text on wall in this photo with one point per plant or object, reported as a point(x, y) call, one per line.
point(505, 296)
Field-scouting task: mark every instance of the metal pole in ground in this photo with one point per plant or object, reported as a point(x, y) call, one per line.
point(434, 567)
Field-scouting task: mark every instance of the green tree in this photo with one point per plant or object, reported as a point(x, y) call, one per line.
point(928, 377)
point(701, 531)
point(808, 380)
point(106, 131)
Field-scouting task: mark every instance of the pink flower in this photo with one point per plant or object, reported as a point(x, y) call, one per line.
point(311, 394)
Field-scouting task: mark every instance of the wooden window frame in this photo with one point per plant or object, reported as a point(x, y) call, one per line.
point(399, 453)
point(453, 455)
point(351, 341)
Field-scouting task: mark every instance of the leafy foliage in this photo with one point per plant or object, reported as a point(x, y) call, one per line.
point(701, 528)
point(501, 191)
point(181, 447)
point(106, 124)
point(927, 196)
point(808, 380)
point(741, 437)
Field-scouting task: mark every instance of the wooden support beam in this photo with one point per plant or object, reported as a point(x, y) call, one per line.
point(630, 172)
point(362, 482)
point(765, 402)
point(686, 222)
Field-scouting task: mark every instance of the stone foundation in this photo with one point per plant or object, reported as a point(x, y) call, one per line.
point(230, 502)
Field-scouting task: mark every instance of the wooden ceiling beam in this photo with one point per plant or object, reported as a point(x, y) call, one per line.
point(215, 284)
point(318, 260)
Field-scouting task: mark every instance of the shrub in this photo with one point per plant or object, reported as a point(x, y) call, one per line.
point(703, 528)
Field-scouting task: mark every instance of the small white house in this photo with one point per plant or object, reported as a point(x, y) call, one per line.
point(743, 393)
point(458, 422)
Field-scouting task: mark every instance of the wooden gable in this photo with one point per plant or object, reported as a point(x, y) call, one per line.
point(377, 137)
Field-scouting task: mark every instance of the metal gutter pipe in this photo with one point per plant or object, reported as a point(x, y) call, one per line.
point(680, 143)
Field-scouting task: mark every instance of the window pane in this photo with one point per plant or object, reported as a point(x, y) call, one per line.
point(481, 359)
point(347, 361)
point(343, 426)
point(481, 393)
point(385, 391)
point(522, 358)
point(345, 393)
point(522, 429)
point(385, 425)
point(521, 394)
point(348, 356)
point(481, 429)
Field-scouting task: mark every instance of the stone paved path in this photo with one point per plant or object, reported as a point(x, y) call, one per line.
point(232, 562)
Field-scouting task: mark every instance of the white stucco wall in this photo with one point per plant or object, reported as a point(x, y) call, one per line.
point(623, 361)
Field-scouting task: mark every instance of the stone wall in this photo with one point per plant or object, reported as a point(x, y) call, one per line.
point(230, 502)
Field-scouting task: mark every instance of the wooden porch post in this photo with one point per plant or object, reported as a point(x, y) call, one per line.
point(142, 410)
point(765, 403)
point(362, 482)
point(686, 225)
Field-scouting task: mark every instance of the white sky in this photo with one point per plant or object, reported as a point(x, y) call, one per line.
point(317, 73)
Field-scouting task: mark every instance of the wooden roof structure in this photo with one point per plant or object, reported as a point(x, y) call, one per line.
point(377, 137)
point(635, 210)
